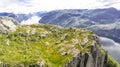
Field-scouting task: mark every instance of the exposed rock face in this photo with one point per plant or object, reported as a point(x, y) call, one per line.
point(7, 24)
point(95, 58)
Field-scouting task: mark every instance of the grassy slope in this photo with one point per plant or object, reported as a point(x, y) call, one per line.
point(30, 45)
point(112, 62)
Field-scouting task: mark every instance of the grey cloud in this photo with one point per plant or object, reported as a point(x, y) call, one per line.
point(108, 3)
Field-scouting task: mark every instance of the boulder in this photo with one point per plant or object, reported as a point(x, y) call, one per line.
point(7, 24)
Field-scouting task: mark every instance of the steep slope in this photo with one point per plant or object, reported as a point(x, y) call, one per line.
point(7, 24)
point(51, 46)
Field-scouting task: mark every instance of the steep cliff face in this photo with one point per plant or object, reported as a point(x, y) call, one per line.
point(95, 57)
point(7, 24)
point(51, 46)
point(92, 59)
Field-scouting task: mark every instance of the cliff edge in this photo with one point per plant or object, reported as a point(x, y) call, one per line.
point(51, 46)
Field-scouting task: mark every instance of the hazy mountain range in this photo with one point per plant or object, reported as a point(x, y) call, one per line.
point(22, 17)
point(104, 22)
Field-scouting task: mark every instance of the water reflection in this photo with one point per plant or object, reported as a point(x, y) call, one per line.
point(112, 47)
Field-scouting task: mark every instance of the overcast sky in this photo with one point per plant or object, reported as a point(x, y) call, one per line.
point(29, 6)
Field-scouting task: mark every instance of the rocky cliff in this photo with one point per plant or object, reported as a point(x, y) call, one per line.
point(51, 46)
point(92, 59)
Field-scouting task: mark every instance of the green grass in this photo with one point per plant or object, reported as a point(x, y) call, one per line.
point(27, 47)
point(112, 62)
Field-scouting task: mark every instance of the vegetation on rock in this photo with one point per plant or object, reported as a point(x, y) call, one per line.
point(112, 62)
point(44, 46)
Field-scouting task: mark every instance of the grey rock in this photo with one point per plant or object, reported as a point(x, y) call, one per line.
point(43, 36)
point(90, 59)
point(7, 24)
point(40, 64)
point(64, 53)
point(22, 34)
point(61, 50)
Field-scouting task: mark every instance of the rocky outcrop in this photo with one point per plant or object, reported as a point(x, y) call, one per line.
point(7, 24)
point(92, 59)
point(96, 57)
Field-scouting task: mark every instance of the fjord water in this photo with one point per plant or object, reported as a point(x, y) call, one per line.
point(112, 47)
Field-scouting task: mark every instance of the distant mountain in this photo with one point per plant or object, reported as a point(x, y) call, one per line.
point(8, 14)
point(18, 17)
point(40, 14)
point(22, 17)
point(93, 19)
